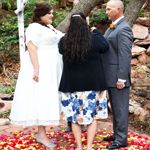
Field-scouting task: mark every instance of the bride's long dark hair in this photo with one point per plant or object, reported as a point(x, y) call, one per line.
point(77, 40)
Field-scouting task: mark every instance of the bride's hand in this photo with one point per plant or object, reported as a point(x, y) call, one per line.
point(36, 75)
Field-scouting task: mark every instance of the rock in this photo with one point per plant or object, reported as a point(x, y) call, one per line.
point(141, 113)
point(142, 58)
point(142, 42)
point(133, 73)
point(6, 107)
point(139, 31)
point(4, 121)
point(134, 62)
point(143, 21)
point(140, 75)
point(143, 69)
point(7, 97)
point(148, 51)
point(138, 99)
point(133, 105)
point(148, 96)
point(2, 105)
point(145, 82)
point(147, 106)
point(148, 65)
point(136, 50)
point(148, 59)
point(141, 88)
point(143, 93)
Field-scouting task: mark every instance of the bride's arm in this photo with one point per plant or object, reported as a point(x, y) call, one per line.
point(34, 59)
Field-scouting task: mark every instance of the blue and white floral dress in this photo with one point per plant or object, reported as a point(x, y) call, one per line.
point(83, 107)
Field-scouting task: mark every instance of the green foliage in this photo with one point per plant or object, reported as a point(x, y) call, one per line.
point(54, 2)
point(125, 2)
point(59, 15)
point(5, 114)
point(143, 69)
point(143, 13)
point(98, 15)
point(8, 4)
point(9, 38)
point(28, 11)
point(7, 89)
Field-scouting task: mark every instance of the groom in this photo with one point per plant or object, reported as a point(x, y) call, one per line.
point(117, 59)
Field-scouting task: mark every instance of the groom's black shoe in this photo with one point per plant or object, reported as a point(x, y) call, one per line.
point(109, 138)
point(115, 146)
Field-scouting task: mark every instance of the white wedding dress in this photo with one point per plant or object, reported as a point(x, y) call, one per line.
point(37, 103)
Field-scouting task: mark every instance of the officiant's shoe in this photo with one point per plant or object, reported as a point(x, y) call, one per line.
point(83, 128)
point(115, 146)
point(50, 145)
point(109, 138)
point(68, 129)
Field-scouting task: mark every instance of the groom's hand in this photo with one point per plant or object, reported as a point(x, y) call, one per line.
point(120, 85)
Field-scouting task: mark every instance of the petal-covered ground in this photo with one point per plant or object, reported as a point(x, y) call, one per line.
point(25, 140)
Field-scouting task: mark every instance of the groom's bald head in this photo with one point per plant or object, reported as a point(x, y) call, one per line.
point(114, 9)
point(116, 3)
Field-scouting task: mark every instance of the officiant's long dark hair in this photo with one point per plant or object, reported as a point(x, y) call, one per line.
point(77, 40)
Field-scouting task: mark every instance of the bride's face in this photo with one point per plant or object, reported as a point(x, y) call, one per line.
point(47, 19)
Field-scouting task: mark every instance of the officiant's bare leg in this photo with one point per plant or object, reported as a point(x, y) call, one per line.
point(76, 128)
point(91, 131)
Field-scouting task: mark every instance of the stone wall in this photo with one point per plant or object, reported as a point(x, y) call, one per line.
point(140, 71)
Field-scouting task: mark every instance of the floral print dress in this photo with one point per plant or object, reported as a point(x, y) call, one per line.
point(83, 107)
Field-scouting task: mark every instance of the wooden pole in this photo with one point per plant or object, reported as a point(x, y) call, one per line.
point(19, 12)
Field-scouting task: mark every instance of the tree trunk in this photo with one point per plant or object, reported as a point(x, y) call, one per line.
point(132, 10)
point(84, 6)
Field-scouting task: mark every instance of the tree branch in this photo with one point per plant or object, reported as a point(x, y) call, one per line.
point(83, 6)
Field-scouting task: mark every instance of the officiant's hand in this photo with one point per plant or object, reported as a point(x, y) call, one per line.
point(93, 28)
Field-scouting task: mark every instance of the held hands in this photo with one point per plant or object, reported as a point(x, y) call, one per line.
point(36, 75)
point(120, 85)
point(93, 28)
